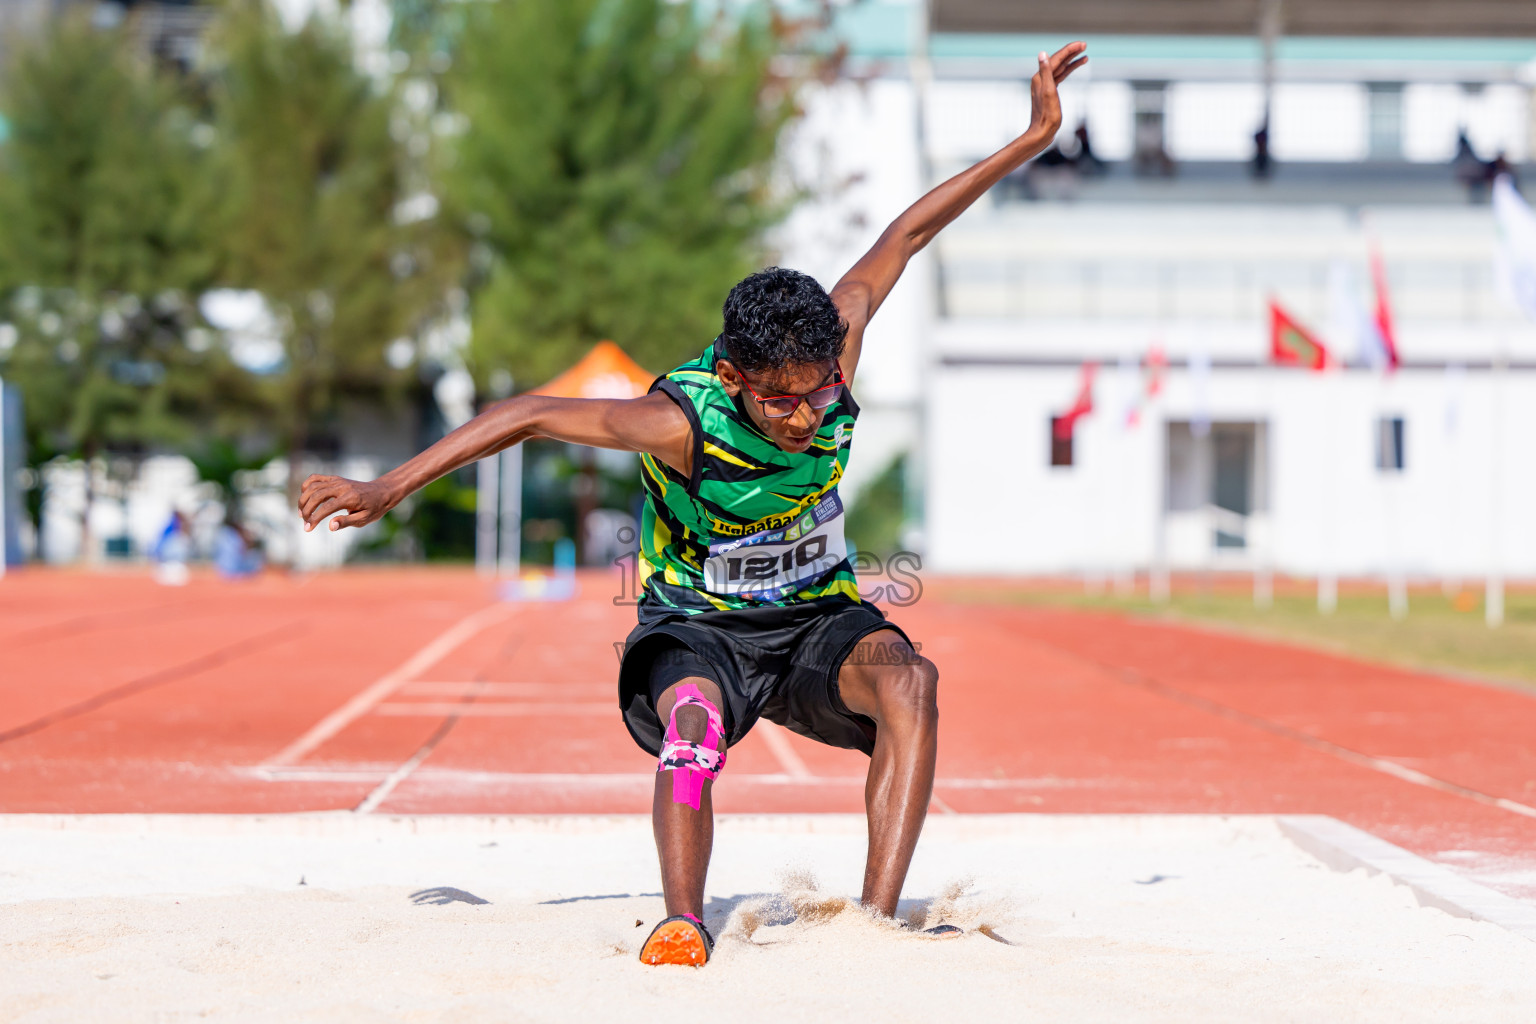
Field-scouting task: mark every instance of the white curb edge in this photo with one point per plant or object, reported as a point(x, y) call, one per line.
point(1343, 848)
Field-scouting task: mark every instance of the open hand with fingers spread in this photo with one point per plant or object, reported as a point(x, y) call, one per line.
point(1045, 104)
point(364, 502)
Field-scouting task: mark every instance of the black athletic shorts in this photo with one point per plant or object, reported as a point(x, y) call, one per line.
point(774, 662)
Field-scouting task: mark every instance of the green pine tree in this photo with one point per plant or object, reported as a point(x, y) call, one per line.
point(104, 191)
point(615, 174)
point(313, 181)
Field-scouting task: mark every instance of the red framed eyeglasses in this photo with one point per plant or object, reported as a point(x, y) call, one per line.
point(777, 407)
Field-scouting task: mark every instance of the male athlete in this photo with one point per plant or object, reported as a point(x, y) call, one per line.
point(749, 606)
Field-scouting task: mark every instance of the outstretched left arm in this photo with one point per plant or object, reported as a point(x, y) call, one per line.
point(864, 288)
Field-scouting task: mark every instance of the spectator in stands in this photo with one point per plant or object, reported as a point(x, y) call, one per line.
point(1263, 165)
point(1471, 170)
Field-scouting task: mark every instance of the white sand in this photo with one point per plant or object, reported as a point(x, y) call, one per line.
point(127, 918)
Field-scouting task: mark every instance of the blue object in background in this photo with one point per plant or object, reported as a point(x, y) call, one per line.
point(233, 556)
point(565, 557)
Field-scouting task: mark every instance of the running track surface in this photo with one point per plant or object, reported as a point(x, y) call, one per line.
point(415, 691)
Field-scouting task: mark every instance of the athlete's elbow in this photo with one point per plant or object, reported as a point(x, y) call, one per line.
point(522, 417)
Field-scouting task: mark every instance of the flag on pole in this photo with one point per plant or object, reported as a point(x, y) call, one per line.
point(1157, 366)
point(1128, 390)
point(1291, 344)
point(1063, 425)
point(1154, 365)
point(1354, 328)
point(1516, 270)
point(1384, 337)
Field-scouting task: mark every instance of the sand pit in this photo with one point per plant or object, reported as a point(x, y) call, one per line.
point(1090, 918)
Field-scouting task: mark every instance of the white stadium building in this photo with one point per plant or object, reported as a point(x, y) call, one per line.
point(1170, 255)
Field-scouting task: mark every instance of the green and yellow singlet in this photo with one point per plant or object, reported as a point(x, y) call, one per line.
point(754, 525)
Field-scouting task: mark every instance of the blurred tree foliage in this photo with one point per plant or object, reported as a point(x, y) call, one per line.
point(316, 213)
point(221, 462)
point(611, 174)
point(877, 517)
point(615, 174)
point(104, 246)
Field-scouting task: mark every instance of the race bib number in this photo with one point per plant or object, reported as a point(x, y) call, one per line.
point(771, 564)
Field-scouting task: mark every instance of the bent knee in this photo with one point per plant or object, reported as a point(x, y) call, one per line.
point(693, 724)
point(690, 720)
point(909, 692)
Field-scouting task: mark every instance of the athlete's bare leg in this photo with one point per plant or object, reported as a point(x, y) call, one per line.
point(684, 836)
point(902, 698)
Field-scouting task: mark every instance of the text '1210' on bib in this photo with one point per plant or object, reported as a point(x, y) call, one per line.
point(770, 564)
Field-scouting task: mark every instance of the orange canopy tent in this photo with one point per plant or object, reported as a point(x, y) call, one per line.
point(604, 372)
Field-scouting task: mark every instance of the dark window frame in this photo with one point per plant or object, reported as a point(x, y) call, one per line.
point(1391, 444)
point(1062, 455)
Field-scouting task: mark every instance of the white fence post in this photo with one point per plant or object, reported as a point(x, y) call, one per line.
point(511, 524)
point(487, 494)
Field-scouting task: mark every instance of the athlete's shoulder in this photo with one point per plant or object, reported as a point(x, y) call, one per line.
point(697, 372)
point(696, 385)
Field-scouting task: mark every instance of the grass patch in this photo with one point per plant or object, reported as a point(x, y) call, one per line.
point(1441, 632)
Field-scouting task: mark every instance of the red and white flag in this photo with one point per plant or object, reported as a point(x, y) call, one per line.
point(1380, 333)
point(1063, 425)
point(1291, 344)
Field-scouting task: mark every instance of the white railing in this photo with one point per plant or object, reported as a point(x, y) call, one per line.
point(1203, 289)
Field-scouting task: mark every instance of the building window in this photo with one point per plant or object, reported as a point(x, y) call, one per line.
point(1061, 441)
point(1389, 444)
point(1385, 111)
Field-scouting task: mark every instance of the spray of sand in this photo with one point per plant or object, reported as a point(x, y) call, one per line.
point(801, 903)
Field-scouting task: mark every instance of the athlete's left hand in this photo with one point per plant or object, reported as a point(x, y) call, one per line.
point(1045, 105)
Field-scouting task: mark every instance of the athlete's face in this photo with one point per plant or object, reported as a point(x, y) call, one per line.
point(792, 433)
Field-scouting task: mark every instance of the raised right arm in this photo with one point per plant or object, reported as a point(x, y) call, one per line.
point(653, 424)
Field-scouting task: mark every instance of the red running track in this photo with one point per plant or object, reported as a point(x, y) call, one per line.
point(414, 691)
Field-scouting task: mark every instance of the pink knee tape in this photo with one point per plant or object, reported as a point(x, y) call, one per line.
point(691, 763)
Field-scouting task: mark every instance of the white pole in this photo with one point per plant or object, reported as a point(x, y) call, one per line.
point(510, 563)
point(1328, 575)
point(1397, 571)
point(1200, 431)
point(486, 494)
point(1125, 568)
point(1160, 585)
point(1493, 598)
point(921, 461)
point(1454, 493)
point(1260, 542)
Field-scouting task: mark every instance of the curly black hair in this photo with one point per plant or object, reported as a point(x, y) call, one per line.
point(779, 317)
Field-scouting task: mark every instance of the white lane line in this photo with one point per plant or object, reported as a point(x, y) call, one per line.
point(363, 702)
point(1343, 848)
point(433, 709)
point(1132, 677)
point(436, 688)
point(778, 741)
point(641, 779)
point(1379, 764)
point(381, 792)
